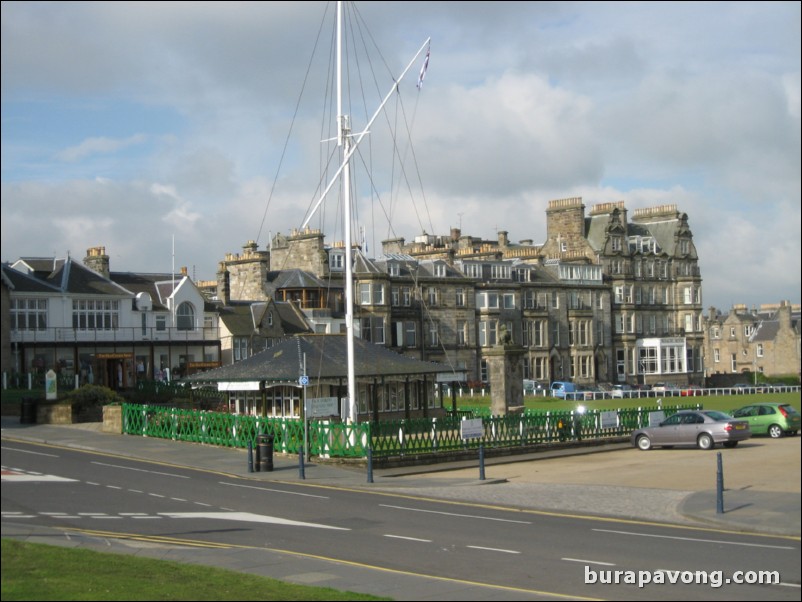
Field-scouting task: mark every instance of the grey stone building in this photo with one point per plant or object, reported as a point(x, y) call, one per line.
point(606, 298)
point(764, 340)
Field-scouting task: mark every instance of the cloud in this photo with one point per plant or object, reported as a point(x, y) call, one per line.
point(100, 145)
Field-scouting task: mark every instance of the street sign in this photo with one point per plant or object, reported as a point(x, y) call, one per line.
point(322, 406)
point(304, 380)
point(471, 429)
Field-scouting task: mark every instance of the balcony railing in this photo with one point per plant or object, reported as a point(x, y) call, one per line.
point(118, 335)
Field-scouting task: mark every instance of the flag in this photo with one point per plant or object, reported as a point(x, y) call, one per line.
point(423, 69)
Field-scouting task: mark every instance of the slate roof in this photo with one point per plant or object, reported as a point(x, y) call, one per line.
point(326, 358)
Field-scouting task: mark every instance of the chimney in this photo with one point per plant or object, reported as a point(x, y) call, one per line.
point(97, 260)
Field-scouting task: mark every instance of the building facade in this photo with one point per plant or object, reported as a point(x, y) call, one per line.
point(764, 340)
point(91, 325)
point(606, 298)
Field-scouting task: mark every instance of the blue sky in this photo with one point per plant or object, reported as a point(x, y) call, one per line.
point(130, 125)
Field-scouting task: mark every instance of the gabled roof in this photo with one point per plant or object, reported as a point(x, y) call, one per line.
point(25, 283)
point(242, 318)
point(293, 279)
point(326, 358)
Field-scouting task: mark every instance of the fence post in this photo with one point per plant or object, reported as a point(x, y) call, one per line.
point(481, 462)
point(370, 465)
point(719, 486)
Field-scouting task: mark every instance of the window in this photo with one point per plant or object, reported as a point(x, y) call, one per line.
point(500, 272)
point(488, 333)
point(395, 296)
point(185, 316)
point(714, 333)
point(483, 370)
point(615, 244)
point(161, 323)
point(240, 348)
point(393, 269)
point(555, 300)
point(487, 300)
point(749, 329)
point(460, 297)
point(28, 314)
point(434, 333)
point(406, 296)
point(509, 301)
point(647, 360)
point(716, 356)
point(555, 334)
point(431, 294)
point(462, 333)
point(733, 362)
point(371, 294)
point(372, 329)
point(732, 332)
point(440, 270)
point(95, 314)
point(336, 261)
point(760, 349)
point(404, 334)
point(472, 270)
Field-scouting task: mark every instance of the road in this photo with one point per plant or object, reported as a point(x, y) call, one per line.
point(447, 550)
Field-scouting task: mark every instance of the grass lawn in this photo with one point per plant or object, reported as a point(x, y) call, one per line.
point(723, 403)
point(42, 572)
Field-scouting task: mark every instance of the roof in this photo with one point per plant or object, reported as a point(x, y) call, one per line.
point(326, 358)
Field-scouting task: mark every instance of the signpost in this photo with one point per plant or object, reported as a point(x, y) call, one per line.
point(473, 429)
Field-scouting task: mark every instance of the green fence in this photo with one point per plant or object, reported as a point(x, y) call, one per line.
point(386, 438)
point(237, 430)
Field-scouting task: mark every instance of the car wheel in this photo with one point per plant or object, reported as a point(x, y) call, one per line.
point(730, 443)
point(775, 432)
point(644, 443)
point(705, 441)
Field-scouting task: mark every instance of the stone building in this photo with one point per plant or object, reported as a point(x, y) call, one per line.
point(744, 341)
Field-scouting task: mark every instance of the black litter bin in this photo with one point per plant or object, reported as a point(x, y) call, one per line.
point(264, 444)
point(27, 413)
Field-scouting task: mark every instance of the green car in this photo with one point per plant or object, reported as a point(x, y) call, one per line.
point(776, 419)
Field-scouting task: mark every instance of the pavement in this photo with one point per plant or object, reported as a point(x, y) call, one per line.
point(761, 486)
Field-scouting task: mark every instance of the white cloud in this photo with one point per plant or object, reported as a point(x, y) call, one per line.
point(100, 145)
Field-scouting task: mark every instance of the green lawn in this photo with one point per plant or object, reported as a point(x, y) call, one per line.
point(41, 572)
point(724, 403)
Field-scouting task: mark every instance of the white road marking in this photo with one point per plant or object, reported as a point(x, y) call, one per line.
point(25, 451)
point(494, 549)
point(322, 497)
point(717, 541)
point(249, 517)
point(165, 474)
point(502, 520)
point(589, 561)
point(34, 478)
point(407, 538)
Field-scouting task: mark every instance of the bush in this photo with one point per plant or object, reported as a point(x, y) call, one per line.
point(90, 397)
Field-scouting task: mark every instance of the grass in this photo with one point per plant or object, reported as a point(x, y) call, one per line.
point(724, 403)
point(42, 572)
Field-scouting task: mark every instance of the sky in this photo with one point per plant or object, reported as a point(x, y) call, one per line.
point(172, 133)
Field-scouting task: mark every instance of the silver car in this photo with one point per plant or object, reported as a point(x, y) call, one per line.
point(702, 428)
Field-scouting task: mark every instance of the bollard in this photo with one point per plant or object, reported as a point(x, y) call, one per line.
point(370, 465)
point(481, 462)
point(301, 467)
point(250, 456)
point(719, 486)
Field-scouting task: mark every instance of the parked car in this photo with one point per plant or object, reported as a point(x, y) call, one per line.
point(621, 391)
point(561, 389)
point(691, 391)
point(702, 428)
point(533, 386)
point(668, 389)
point(773, 419)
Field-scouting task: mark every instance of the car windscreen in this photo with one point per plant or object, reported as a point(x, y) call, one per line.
point(717, 415)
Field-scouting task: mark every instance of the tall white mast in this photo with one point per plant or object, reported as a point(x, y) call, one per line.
point(344, 141)
point(348, 145)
